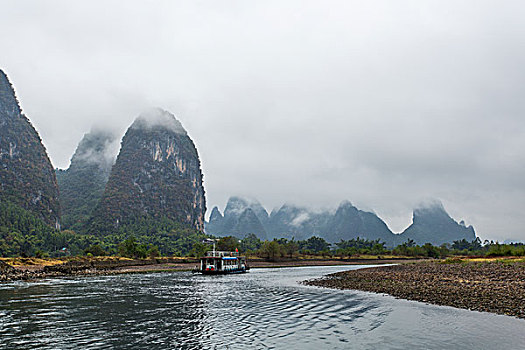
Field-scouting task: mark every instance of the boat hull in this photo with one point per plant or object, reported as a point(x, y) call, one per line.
point(226, 272)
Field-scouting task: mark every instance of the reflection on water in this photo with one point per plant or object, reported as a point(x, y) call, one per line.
point(265, 308)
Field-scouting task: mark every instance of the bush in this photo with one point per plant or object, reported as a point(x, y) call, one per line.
point(95, 250)
point(153, 252)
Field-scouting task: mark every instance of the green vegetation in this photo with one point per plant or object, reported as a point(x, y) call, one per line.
point(82, 184)
point(79, 195)
point(145, 192)
point(23, 234)
point(27, 178)
point(315, 246)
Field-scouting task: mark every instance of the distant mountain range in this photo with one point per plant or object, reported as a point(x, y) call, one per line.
point(431, 224)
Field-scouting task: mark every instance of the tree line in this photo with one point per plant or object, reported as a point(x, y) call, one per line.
point(316, 246)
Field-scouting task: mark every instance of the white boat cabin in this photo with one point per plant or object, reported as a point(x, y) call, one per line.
point(222, 262)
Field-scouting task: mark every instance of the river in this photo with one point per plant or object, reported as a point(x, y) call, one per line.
point(263, 309)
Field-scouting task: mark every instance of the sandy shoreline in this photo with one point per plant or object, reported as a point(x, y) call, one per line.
point(495, 287)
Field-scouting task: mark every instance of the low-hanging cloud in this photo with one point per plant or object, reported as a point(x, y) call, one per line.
point(104, 152)
point(157, 117)
point(379, 102)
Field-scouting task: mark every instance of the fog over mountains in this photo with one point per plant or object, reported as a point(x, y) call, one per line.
point(156, 176)
point(383, 103)
point(82, 184)
point(431, 223)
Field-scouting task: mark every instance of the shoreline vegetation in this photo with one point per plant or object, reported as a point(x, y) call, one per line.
point(480, 284)
point(27, 269)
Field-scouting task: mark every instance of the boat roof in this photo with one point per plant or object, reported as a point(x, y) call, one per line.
point(219, 253)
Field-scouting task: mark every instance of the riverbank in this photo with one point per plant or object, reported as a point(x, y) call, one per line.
point(32, 269)
point(14, 269)
point(496, 286)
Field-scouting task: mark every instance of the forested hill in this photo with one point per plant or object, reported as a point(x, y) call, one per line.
point(157, 176)
point(27, 178)
point(82, 184)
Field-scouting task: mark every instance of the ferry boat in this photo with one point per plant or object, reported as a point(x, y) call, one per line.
point(222, 262)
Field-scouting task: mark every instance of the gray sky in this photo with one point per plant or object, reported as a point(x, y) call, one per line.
point(384, 103)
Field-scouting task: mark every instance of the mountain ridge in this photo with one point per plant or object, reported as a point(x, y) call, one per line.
point(432, 224)
point(83, 182)
point(157, 175)
point(346, 222)
point(27, 177)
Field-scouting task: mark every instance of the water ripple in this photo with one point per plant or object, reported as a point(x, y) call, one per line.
point(265, 309)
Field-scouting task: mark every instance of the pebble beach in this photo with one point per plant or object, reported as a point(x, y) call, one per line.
point(497, 287)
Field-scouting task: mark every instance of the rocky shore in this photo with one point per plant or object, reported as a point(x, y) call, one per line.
point(497, 287)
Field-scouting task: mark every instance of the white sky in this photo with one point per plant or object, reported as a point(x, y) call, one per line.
point(384, 103)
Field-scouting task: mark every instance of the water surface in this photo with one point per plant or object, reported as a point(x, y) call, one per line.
point(265, 308)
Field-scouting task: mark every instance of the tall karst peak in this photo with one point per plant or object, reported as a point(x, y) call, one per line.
point(160, 119)
point(351, 222)
point(215, 214)
point(237, 205)
point(27, 178)
point(99, 147)
point(157, 175)
point(82, 184)
point(9, 107)
point(432, 224)
point(241, 217)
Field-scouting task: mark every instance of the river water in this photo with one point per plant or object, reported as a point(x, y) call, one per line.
point(265, 308)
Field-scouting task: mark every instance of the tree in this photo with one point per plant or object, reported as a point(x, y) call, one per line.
point(131, 249)
point(270, 250)
point(95, 250)
point(291, 247)
point(430, 250)
point(410, 243)
point(153, 251)
point(250, 243)
point(128, 248)
point(229, 243)
point(198, 249)
point(315, 244)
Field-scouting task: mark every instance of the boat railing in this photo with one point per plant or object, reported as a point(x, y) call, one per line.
point(219, 254)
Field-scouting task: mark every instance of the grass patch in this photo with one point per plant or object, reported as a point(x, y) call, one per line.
point(454, 260)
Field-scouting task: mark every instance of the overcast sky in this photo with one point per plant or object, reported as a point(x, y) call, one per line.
point(383, 103)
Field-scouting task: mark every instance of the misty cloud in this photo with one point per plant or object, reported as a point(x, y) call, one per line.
point(157, 117)
point(383, 103)
point(300, 219)
point(105, 152)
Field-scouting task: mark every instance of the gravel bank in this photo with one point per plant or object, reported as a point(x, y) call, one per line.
point(482, 286)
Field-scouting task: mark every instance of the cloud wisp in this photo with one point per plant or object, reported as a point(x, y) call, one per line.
point(308, 102)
